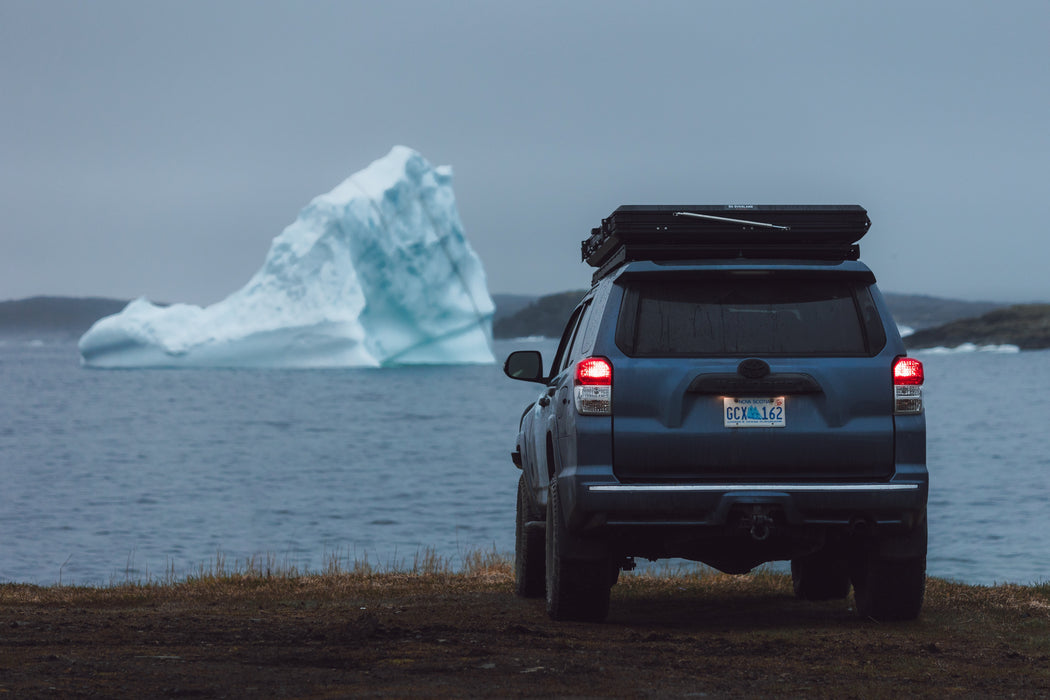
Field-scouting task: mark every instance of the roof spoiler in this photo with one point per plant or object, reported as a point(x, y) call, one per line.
point(693, 232)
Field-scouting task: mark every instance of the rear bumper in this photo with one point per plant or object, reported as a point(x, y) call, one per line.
point(593, 505)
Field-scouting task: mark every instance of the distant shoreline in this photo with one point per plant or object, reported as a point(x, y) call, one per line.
point(937, 322)
point(546, 315)
point(49, 317)
point(1024, 326)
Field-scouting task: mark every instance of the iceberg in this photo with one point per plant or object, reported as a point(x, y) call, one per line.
point(375, 273)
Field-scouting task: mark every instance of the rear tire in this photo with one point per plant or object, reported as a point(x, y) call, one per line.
point(820, 577)
point(889, 589)
point(529, 564)
point(576, 590)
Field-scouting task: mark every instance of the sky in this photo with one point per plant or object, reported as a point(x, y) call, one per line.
point(156, 148)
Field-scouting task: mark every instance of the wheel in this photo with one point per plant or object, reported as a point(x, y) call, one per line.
point(576, 590)
point(529, 564)
point(820, 577)
point(889, 589)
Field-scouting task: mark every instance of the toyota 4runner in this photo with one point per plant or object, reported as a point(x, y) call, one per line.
point(732, 390)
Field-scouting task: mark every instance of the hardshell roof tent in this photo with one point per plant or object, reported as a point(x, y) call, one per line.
point(725, 231)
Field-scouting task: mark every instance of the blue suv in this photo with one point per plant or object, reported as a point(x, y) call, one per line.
point(732, 390)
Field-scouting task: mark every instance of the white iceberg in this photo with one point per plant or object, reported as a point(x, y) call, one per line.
point(377, 272)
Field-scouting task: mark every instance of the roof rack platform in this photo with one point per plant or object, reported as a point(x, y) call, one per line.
point(691, 232)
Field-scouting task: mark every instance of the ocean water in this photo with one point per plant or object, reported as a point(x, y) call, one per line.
point(108, 475)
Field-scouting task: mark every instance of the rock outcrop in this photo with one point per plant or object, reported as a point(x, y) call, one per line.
point(1025, 325)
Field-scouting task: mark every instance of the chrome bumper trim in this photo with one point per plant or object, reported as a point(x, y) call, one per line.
point(781, 488)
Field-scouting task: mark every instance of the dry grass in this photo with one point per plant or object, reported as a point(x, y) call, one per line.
point(267, 578)
point(950, 596)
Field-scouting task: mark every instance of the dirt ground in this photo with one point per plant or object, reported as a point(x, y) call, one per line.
point(401, 635)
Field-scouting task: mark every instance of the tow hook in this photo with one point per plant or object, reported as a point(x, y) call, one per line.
point(761, 526)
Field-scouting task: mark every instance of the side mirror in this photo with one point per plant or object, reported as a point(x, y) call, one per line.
point(526, 365)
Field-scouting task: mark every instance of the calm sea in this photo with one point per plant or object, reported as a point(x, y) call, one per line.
point(111, 475)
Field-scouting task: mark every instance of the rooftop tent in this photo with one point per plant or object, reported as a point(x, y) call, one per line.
point(689, 232)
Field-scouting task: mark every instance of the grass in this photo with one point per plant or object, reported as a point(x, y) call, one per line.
point(432, 626)
point(261, 576)
point(270, 577)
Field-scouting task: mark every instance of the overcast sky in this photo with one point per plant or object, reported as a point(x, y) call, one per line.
point(156, 149)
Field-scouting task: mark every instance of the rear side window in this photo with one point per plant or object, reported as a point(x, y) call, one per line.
point(742, 315)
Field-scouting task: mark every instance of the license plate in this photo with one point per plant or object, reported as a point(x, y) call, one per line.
point(754, 413)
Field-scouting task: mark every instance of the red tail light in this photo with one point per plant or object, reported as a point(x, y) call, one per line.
point(594, 371)
point(592, 390)
point(907, 371)
point(908, 377)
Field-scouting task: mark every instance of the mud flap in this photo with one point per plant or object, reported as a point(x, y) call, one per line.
point(908, 546)
point(575, 545)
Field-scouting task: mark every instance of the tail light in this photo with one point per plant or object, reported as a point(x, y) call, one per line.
point(592, 387)
point(907, 386)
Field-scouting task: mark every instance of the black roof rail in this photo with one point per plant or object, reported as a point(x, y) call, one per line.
point(693, 232)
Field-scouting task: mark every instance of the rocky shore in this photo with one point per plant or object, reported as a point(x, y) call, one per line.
point(1025, 325)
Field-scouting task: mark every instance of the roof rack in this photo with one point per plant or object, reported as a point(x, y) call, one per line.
point(693, 232)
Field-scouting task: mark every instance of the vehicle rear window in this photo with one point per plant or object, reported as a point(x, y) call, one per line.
point(742, 315)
